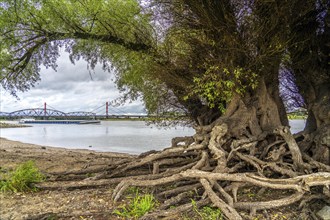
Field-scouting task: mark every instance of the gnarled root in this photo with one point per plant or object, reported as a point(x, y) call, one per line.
point(214, 170)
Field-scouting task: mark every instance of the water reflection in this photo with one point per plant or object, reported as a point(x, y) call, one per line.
point(45, 132)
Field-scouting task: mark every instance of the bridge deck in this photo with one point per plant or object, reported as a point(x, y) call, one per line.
point(61, 122)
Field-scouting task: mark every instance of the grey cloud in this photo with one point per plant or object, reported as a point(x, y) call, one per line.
point(71, 88)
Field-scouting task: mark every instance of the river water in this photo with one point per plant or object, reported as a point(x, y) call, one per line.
point(132, 137)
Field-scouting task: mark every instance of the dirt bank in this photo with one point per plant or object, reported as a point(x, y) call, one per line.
point(71, 204)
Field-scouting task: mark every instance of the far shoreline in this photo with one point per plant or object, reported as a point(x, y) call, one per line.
point(11, 125)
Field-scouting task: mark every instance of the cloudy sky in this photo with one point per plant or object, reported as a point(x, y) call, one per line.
point(70, 88)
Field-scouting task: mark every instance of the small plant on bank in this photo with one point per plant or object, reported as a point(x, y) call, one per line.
point(22, 179)
point(207, 212)
point(137, 206)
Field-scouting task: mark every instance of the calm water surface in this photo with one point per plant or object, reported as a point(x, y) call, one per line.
point(112, 136)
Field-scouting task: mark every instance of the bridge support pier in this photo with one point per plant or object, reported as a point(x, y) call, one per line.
point(45, 111)
point(107, 110)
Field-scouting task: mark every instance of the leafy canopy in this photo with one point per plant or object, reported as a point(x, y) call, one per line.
point(32, 33)
point(208, 50)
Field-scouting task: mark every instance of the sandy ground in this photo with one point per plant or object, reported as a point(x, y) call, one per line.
point(70, 204)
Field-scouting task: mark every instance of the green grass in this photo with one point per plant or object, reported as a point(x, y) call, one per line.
point(207, 212)
point(297, 115)
point(22, 179)
point(137, 206)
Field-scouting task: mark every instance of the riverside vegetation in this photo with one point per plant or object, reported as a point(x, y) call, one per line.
point(10, 125)
point(22, 179)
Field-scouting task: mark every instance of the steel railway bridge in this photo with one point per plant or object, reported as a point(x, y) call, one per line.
point(46, 113)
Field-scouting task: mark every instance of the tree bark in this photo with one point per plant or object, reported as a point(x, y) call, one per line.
point(318, 122)
point(256, 112)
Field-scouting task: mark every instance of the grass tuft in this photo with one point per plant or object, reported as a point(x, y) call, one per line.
point(22, 179)
point(137, 206)
point(207, 212)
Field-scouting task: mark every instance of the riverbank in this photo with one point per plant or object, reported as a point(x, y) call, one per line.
point(68, 203)
point(66, 196)
point(11, 125)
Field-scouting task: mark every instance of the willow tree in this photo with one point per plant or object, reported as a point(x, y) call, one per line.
point(33, 32)
point(218, 61)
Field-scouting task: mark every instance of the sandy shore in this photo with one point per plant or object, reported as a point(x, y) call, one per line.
point(52, 159)
point(55, 160)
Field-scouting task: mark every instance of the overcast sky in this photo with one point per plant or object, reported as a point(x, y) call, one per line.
point(70, 89)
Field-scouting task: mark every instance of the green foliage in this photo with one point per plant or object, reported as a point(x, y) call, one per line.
point(136, 78)
point(137, 206)
point(297, 115)
point(32, 33)
point(217, 85)
point(110, 32)
point(21, 179)
point(207, 212)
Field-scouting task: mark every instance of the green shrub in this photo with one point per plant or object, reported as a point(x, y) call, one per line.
point(21, 179)
point(137, 206)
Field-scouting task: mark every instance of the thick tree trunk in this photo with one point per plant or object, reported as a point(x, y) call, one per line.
point(256, 112)
point(318, 104)
point(309, 51)
point(317, 127)
point(200, 113)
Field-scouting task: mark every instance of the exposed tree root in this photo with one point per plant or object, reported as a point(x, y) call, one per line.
point(73, 215)
point(254, 206)
point(228, 210)
point(175, 211)
point(215, 169)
